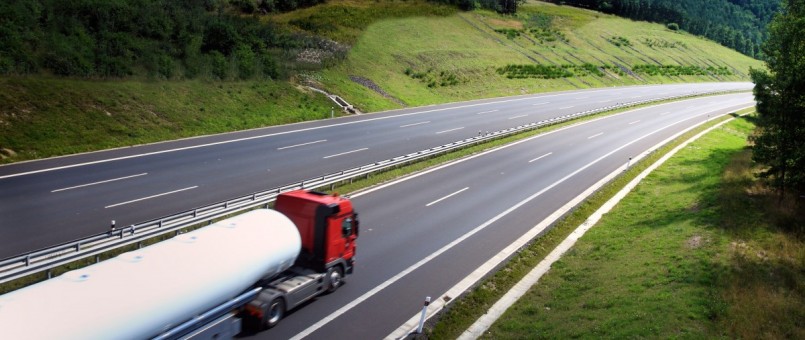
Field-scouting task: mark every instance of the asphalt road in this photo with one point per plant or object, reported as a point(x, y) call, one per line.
point(56, 200)
point(421, 236)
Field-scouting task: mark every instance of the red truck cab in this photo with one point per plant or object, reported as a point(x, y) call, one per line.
point(328, 226)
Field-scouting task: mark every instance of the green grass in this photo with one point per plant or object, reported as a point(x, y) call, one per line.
point(695, 251)
point(43, 117)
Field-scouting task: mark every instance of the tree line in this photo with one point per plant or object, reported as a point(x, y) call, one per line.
point(780, 95)
point(738, 24)
point(158, 38)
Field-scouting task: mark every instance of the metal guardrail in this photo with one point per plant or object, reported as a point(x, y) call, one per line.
point(48, 258)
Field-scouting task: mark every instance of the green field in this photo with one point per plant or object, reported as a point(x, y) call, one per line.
point(700, 249)
point(416, 52)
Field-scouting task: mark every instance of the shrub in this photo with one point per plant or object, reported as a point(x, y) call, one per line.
point(672, 26)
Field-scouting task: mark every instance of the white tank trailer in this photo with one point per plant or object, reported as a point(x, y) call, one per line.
point(144, 293)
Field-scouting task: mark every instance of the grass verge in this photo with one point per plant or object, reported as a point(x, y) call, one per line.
point(699, 249)
point(466, 310)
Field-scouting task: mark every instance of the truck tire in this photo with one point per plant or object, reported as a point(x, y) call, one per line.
point(335, 276)
point(275, 313)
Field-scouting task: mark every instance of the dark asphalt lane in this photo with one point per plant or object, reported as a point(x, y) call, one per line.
point(404, 223)
point(156, 180)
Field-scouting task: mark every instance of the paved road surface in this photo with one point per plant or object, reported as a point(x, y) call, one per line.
point(405, 223)
point(46, 202)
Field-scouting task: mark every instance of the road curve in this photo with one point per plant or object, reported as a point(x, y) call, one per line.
point(60, 199)
point(421, 236)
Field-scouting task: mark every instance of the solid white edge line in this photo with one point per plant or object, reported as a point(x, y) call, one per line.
point(414, 124)
point(521, 287)
point(446, 197)
point(149, 197)
point(437, 304)
point(279, 134)
point(540, 157)
point(440, 132)
point(595, 135)
point(344, 153)
point(100, 182)
point(634, 122)
point(303, 144)
point(515, 117)
point(395, 278)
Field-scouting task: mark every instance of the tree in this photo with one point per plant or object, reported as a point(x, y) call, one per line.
point(780, 94)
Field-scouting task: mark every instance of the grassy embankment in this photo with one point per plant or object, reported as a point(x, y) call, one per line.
point(418, 52)
point(700, 249)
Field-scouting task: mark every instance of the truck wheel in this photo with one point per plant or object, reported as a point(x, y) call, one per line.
point(336, 277)
point(276, 311)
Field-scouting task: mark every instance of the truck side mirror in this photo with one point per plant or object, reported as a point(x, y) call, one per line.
point(357, 224)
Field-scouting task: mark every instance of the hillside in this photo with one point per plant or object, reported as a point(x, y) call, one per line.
point(738, 24)
point(475, 54)
point(376, 54)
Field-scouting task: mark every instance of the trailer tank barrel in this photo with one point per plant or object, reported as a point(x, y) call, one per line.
point(142, 293)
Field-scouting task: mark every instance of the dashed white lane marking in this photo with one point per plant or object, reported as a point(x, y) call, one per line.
point(490, 111)
point(149, 197)
point(446, 197)
point(595, 135)
point(566, 107)
point(606, 101)
point(101, 182)
point(344, 153)
point(283, 133)
point(664, 113)
point(634, 122)
point(520, 116)
point(540, 157)
point(422, 262)
point(487, 267)
point(414, 124)
point(537, 104)
point(303, 144)
point(441, 132)
point(582, 97)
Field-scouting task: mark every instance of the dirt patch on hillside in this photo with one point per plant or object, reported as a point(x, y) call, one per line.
point(368, 83)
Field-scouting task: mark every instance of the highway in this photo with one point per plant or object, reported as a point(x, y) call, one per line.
point(424, 234)
point(56, 200)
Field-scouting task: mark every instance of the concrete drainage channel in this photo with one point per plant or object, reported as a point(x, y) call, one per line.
point(45, 260)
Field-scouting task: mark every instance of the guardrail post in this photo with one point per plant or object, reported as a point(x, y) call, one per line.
point(78, 247)
point(28, 260)
point(50, 273)
point(97, 258)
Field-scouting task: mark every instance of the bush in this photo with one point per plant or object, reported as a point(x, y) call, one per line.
point(672, 26)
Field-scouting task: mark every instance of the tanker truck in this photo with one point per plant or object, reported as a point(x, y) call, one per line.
point(239, 274)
